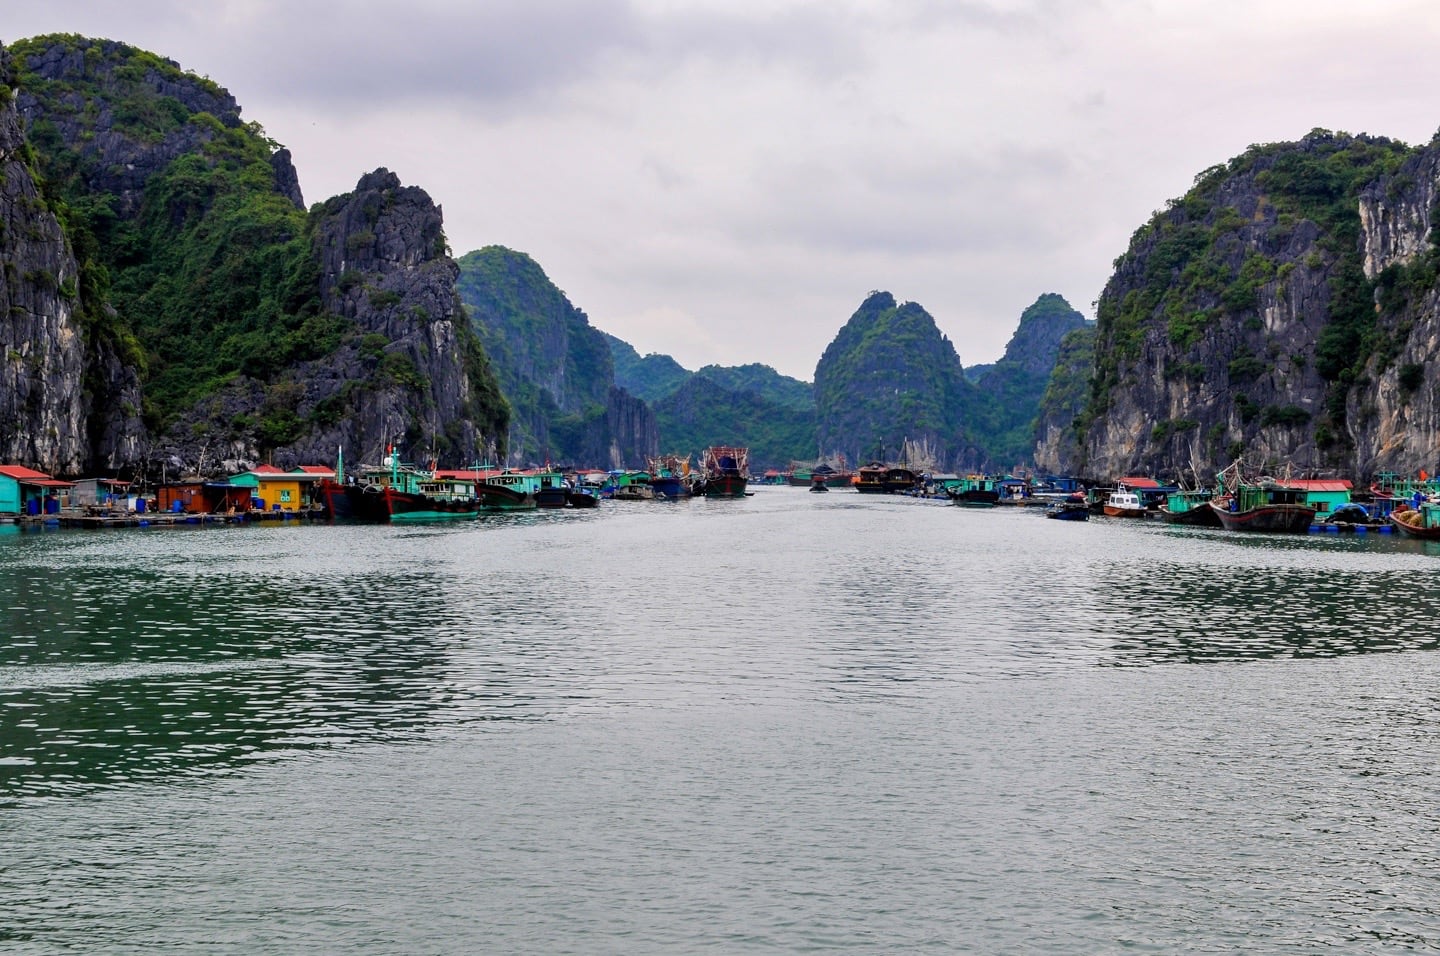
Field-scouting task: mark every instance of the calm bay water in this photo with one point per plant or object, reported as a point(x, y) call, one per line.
point(790, 723)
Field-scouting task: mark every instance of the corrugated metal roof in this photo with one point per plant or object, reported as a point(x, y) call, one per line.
point(21, 473)
point(1318, 484)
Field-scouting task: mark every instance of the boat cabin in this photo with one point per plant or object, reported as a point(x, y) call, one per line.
point(1324, 494)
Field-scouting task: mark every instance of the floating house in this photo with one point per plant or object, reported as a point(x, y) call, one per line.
point(203, 497)
point(25, 491)
point(1324, 494)
point(279, 490)
point(102, 493)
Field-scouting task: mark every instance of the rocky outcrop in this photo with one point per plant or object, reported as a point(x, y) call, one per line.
point(1280, 312)
point(414, 377)
point(42, 349)
point(1011, 389)
point(1394, 410)
point(287, 180)
point(631, 428)
point(553, 366)
point(51, 365)
point(890, 378)
point(1063, 403)
point(124, 113)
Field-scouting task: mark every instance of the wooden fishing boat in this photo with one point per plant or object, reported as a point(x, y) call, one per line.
point(727, 471)
point(1264, 507)
point(397, 492)
point(1423, 523)
point(1189, 507)
point(552, 491)
point(670, 476)
point(871, 479)
point(1073, 508)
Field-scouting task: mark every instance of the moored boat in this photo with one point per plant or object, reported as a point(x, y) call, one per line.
point(1072, 508)
point(878, 478)
point(870, 480)
point(974, 491)
point(1189, 507)
point(727, 471)
point(1124, 504)
point(1422, 522)
point(1267, 506)
point(580, 498)
point(670, 476)
point(552, 491)
point(397, 492)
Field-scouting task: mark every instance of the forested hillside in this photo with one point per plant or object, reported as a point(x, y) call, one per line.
point(215, 322)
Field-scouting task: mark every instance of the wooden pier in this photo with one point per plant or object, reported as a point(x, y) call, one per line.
point(98, 519)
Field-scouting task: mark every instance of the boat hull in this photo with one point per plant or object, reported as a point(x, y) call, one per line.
point(975, 498)
point(669, 487)
point(374, 503)
point(502, 498)
point(551, 497)
point(1282, 518)
point(725, 486)
point(1415, 531)
point(1068, 512)
point(1200, 515)
point(1113, 511)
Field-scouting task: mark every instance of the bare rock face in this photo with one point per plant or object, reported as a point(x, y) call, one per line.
point(630, 425)
point(46, 418)
point(119, 162)
point(408, 379)
point(1395, 408)
point(1284, 311)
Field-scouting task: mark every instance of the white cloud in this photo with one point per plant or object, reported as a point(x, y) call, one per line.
point(726, 180)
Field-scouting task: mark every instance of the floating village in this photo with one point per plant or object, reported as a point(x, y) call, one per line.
point(397, 492)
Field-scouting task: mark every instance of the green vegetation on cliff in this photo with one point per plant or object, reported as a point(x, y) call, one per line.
point(889, 376)
point(211, 273)
point(1255, 234)
point(1004, 416)
point(706, 411)
point(652, 377)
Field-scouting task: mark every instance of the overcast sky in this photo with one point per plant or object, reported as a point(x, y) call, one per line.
point(726, 181)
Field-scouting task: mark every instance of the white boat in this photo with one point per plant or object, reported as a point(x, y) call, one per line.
point(1124, 504)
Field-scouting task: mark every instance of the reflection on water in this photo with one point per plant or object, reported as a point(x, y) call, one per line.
point(138, 655)
point(785, 723)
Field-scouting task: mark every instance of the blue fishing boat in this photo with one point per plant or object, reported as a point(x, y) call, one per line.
point(1073, 508)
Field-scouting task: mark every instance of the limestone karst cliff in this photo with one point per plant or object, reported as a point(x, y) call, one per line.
point(1283, 311)
point(66, 396)
point(553, 366)
point(1004, 417)
point(890, 377)
point(210, 320)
